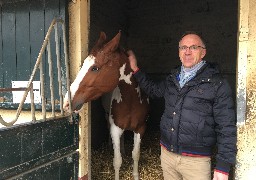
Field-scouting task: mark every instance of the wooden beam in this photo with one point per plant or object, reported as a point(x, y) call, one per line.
point(78, 49)
point(242, 60)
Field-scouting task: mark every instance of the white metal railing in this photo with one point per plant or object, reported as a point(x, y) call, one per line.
point(39, 65)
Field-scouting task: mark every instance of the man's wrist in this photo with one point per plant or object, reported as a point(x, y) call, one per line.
point(136, 70)
point(222, 172)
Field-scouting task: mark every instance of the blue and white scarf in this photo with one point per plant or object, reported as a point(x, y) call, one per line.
point(187, 74)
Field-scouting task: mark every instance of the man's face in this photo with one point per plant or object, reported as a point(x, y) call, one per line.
point(193, 55)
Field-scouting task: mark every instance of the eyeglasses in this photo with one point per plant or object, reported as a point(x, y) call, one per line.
point(192, 48)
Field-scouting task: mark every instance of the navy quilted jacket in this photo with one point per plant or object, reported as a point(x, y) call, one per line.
point(197, 117)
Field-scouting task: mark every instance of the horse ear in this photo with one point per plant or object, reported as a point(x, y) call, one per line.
point(113, 44)
point(99, 43)
point(102, 38)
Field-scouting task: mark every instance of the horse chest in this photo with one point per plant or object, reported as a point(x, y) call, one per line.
point(126, 110)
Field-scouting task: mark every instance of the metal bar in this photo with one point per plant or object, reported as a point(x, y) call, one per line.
point(67, 68)
point(32, 103)
point(38, 62)
point(51, 77)
point(59, 68)
point(12, 89)
point(39, 65)
point(42, 90)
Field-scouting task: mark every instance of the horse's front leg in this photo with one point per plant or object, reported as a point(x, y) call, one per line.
point(136, 156)
point(116, 133)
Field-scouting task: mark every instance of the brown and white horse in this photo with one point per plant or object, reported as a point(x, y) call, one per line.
point(105, 70)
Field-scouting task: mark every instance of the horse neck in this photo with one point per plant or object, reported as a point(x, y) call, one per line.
point(126, 81)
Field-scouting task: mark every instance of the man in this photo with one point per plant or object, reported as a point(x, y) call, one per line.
point(199, 115)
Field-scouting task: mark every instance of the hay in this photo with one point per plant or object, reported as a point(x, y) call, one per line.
point(149, 164)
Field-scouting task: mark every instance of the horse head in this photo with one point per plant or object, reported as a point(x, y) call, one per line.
point(99, 73)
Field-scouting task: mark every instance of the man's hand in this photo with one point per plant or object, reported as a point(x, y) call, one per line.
point(133, 61)
point(219, 176)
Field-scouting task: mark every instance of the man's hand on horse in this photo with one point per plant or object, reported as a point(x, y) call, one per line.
point(132, 60)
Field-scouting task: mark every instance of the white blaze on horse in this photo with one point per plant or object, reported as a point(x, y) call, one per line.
point(105, 70)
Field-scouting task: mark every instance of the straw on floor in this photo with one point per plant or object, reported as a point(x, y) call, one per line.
point(149, 164)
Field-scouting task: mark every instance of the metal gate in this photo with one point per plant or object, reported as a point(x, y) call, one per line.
point(47, 148)
point(41, 150)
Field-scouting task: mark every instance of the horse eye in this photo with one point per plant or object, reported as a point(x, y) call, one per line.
point(95, 68)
